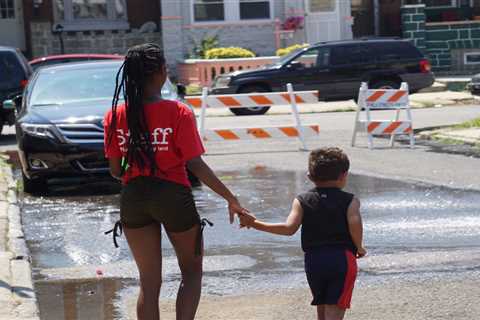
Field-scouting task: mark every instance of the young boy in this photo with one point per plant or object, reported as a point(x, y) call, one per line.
point(332, 232)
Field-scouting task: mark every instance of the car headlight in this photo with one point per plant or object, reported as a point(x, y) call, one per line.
point(222, 82)
point(39, 130)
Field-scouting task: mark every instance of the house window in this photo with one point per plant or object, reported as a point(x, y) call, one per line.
point(208, 10)
point(7, 9)
point(91, 15)
point(254, 9)
point(321, 5)
point(471, 58)
point(440, 3)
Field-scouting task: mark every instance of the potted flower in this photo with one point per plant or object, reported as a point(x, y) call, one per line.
point(293, 23)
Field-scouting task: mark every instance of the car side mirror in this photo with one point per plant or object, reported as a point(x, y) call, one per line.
point(181, 90)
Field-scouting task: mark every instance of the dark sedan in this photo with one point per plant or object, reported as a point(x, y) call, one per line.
point(474, 85)
point(59, 124)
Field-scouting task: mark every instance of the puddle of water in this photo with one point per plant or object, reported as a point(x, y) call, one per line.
point(410, 230)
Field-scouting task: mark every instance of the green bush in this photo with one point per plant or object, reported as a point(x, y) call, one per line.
point(200, 48)
point(226, 53)
point(287, 50)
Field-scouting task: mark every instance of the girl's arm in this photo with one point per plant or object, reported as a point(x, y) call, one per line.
point(355, 226)
point(203, 172)
point(288, 228)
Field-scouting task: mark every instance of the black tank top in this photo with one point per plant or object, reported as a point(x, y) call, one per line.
point(324, 221)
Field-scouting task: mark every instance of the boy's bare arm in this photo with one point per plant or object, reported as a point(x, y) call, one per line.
point(286, 228)
point(355, 226)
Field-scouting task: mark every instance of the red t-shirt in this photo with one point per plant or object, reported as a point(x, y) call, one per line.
point(174, 138)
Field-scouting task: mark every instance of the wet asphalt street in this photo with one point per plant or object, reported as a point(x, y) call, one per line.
point(412, 232)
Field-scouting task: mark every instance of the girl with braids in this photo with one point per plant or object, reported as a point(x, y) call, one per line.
point(159, 140)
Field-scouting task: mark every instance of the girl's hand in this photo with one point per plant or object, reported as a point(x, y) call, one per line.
point(361, 252)
point(234, 208)
point(247, 220)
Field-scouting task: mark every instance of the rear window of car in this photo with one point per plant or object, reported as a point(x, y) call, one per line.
point(388, 51)
point(351, 54)
point(11, 70)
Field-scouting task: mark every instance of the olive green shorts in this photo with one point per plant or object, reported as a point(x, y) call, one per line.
point(147, 200)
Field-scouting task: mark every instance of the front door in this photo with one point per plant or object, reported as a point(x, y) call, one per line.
point(12, 31)
point(363, 18)
point(322, 22)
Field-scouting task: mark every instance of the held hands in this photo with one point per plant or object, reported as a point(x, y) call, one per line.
point(247, 220)
point(234, 208)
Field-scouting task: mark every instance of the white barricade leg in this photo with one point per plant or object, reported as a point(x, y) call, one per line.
point(360, 103)
point(296, 116)
point(369, 119)
point(203, 112)
point(411, 134)
point(392, 137)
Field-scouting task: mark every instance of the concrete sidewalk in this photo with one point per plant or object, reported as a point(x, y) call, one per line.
point(466, 136)
point(17, 295)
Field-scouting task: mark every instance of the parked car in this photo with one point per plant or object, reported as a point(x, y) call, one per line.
point(14, 74)
point(474, 85)
point(66, 58)
point(59, 124)
point(335, 69)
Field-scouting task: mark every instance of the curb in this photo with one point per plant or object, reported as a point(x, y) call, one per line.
point(24, 300)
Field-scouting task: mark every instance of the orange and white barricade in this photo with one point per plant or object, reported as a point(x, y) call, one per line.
point(260, 99)
point(385, 99)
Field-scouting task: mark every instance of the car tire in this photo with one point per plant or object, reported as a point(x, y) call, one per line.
point(385, 84)
point(254, 111)
point(36, 186)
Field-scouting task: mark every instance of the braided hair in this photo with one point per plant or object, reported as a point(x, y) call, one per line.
point(141, 62)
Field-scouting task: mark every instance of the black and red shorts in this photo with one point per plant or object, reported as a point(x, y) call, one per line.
point(331, 274)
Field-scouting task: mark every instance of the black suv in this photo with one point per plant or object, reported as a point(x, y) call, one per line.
point(14, 74)
point(335, 69)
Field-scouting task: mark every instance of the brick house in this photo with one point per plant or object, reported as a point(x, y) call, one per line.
point(100, 26)
point(448, 31)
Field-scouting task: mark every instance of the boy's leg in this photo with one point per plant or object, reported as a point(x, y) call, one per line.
point(321, 312)
point(333, 312)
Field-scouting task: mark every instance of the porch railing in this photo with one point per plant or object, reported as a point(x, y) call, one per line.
point(202, 72)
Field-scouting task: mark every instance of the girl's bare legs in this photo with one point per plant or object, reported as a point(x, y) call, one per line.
point(321, 312)
point(190, 265)
point(332, 312)
point(146, 246)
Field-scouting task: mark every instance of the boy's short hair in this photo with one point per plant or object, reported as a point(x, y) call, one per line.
point(326, 164)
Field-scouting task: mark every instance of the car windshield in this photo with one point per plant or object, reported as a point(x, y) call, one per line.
point(286, 58)
point(58, 87)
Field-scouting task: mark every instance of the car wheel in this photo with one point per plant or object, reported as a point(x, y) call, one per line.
point(34, 186)
point(385, 84)
point(253, 111)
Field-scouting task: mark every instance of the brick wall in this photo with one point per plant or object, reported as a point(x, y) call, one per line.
point(413, 24)
point(443, 42)
point(44, 42)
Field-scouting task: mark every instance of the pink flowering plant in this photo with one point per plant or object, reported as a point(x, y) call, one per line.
point(293, 23)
